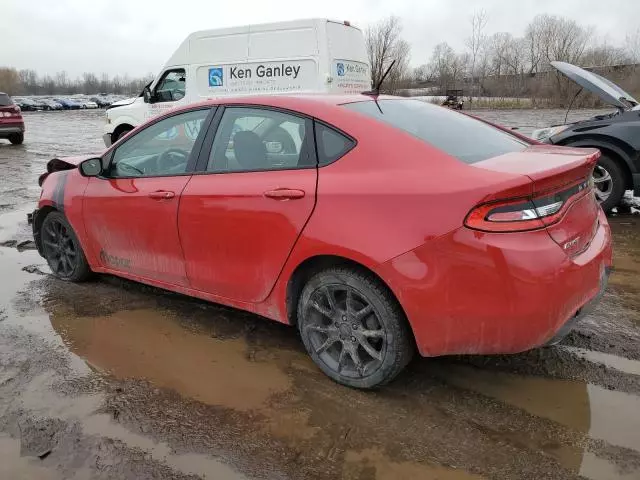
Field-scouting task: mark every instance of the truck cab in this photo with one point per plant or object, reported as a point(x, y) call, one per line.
point(302, 56)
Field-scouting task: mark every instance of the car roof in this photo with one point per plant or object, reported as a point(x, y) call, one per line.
point(302, 102)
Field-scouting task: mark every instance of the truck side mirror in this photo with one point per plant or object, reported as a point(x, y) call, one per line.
point(148, 96)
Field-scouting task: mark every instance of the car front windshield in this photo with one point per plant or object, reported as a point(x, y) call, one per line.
point(459, 135)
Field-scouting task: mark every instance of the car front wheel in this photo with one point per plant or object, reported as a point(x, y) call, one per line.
point(62, 250)
point(609, 183)
point(353, 328)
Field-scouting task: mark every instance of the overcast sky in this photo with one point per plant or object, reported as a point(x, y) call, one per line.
point(137, 37)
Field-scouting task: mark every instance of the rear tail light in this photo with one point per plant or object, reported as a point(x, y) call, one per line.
point(528, 213)
point(10, 112)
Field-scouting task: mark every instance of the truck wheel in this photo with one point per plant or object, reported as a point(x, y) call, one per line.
point(17, 138)
point(62, 250)
point(609, 183)
point(353, 328)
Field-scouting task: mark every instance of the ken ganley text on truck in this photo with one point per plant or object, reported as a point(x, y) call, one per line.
point(216, 74)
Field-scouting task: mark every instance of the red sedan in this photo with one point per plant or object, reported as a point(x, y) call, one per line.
point(375, 225)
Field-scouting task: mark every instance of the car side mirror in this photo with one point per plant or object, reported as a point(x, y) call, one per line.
point(91, 167)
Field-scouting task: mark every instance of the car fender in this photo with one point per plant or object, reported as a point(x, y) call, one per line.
point(619, 147)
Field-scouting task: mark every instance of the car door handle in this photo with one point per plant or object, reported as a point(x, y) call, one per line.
point(284, 194)
point(162, 195)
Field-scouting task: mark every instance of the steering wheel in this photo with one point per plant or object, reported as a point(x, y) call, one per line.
point(167, 159)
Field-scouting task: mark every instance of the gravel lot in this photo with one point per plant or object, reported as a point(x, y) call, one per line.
point(111, 379)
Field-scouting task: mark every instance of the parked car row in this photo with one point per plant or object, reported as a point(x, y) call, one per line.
point(33, 104)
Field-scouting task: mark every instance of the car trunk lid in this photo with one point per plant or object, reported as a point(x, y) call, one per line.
point(561, 199)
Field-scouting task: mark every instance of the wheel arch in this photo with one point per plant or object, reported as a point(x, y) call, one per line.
point(610, 147)
point(121, 128)
point(312, 265)
point(43, 212)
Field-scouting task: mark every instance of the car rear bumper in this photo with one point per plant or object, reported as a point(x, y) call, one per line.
point(11, 128)
point(478, 293)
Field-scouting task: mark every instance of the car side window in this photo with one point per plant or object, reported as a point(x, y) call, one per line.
point(331, 144)
point(254, 139)
point(160, 149)
point(172, 86)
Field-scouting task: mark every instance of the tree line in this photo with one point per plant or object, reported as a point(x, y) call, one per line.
point(28, 82)
point(496, 64)
point(501, 64)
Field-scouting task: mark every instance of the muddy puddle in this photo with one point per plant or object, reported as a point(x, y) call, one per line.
point(154, 382)
point(111, 379)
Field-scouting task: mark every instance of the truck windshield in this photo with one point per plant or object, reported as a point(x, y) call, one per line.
point(461, 136)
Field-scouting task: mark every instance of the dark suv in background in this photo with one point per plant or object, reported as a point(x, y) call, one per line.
point(11, 122)
point(616, 135)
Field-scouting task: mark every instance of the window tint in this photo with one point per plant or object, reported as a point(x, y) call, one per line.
point(331, 144)
point(161, 149)
point(463, 137)
point(5, 100)
point(250, 139)
point(172, 86)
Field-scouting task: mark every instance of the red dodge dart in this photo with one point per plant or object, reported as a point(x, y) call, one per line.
point(376, 225)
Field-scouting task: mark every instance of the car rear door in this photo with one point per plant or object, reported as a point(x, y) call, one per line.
point(131, 212)
point(240, 217)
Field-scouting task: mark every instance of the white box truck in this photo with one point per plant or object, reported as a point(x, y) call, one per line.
point(300, 56)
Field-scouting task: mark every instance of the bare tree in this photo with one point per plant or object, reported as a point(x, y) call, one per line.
point(444, 66)
point(9, 81)
point(533, 40)
point(633, 45)
point(605, 55)
point(563, 39)
point(499, 45)
point(385, 45)
point(476, 42)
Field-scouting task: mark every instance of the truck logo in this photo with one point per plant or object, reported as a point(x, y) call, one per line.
point(216, 77)
point(340, 67)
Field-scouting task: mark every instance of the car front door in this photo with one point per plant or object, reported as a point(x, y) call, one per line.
point(241, 215)
point(131, 212)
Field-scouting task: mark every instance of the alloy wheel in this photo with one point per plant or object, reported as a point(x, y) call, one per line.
point(345, 331)
point(603, 183)
point(59, 248)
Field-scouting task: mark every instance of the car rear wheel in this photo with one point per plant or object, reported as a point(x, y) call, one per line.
point(62, 250)
point(353, 328)
point(609, 183)
point(17, 138)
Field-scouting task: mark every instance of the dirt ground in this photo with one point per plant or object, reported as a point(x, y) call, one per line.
point(114, 380)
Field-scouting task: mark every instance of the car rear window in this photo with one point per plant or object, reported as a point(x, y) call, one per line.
point(463, 137)
point(5, 100)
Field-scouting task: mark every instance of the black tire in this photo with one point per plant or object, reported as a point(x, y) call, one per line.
point(16, 138)
point(334, 332)
point(619, 184)
point(62, 250)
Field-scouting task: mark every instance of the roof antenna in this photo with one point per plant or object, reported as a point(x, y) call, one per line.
point(376, 91)
point(571, 104)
